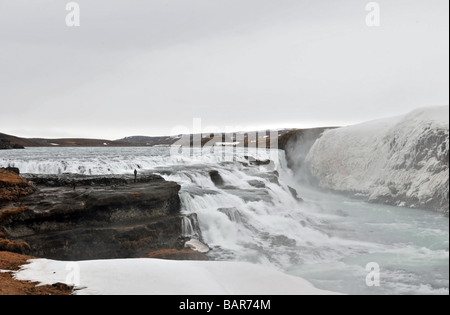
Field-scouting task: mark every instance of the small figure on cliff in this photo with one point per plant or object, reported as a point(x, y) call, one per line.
point(74, 185)
point(135, 176)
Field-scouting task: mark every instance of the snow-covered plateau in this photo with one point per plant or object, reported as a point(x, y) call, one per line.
point(401, 161)
point(163, 277)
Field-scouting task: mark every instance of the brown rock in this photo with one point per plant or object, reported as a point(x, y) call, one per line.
point(10, 286)
point(175, 254)
point(95, 221)
point(12, 186)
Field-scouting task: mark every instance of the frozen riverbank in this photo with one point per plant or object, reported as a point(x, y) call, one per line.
point(163, 277)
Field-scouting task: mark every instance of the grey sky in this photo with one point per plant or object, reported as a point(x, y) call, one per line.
point(143, 67)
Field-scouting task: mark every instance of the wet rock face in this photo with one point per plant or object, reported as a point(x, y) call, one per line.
point(67, 180)
point(297, 144)
point(216, 178)
point(102, 218)
point(257, 183)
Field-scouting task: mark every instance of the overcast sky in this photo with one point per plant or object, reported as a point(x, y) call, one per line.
point(143, 67)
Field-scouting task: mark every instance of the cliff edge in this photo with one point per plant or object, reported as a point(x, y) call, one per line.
point(402, 161)
point(74, 217)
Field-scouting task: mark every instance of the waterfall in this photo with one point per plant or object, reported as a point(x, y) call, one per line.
point(190, 226)
point(245, 209)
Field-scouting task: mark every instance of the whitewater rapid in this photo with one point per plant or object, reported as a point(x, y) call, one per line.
point(254, 216)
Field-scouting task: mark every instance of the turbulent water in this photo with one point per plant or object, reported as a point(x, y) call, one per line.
point(254, 216)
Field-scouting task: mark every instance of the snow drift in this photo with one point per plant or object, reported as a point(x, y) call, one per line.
point(402, 161)
point(163, 277)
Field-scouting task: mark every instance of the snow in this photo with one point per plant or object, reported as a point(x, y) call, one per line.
point(401, 160)
point(163, 277)
point(196, 245)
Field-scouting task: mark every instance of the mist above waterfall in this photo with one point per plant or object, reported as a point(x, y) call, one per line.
point(297, 145)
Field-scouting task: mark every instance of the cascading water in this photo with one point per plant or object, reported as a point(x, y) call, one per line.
point(248, 212)
point(251, 216)
point(190, 227)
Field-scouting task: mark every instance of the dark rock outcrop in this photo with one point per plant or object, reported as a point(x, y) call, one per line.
point(178, 254)
point(67, 180)
point(14, 170)
point(256, 162)
point(103, 218)
point(7, 145)
point(216, 178)
point(257, 183)
point(295, 194)
point(297, 144)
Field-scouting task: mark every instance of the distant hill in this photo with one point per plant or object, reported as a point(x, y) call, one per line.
point(75, 142)
point(12, 142)
point(149, 141)
point(7, 145)
point(226, 137)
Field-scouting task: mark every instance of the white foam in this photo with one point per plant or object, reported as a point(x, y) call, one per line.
point(196, 245)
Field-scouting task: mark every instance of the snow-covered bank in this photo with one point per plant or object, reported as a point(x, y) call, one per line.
point(402, 161)
point(164, 277)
